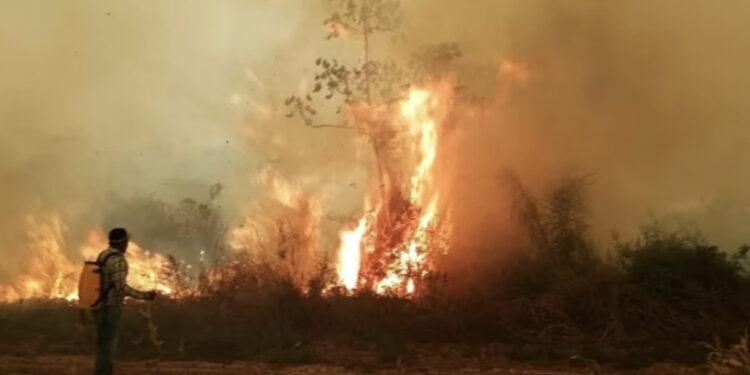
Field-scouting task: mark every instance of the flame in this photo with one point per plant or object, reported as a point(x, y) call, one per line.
point(51, 274)
point(146, 270)
point(392, 251)
point(284, 233)
point(392, 248)
point(349, 256)
point(424, 138)
point(280, 189)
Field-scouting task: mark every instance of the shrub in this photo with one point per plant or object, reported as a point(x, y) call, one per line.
point(729, 361)
point(678, 286)
point(675, 265)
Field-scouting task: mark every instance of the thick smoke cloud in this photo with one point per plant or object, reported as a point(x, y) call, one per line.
point(143, 99)
point(127, 99)
point(648, 97)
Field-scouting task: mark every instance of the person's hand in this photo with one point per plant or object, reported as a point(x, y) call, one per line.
point(151, 295)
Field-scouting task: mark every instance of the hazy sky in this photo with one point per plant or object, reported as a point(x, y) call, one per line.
point(127, 98)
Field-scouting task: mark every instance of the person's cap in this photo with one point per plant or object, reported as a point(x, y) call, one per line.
point(118, 235)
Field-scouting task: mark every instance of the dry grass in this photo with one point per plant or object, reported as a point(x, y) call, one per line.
point(560, 302)
point(80, 365)
point(729, 361)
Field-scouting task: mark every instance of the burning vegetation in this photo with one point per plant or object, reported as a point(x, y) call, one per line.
point(53, 275)
point(404, 226)
point(393, 248)
point(410, 263)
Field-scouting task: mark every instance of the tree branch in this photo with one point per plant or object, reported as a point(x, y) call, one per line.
point(335, 126)
point(300, 109)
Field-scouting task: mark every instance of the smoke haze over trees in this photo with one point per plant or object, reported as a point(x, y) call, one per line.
point(136, 101)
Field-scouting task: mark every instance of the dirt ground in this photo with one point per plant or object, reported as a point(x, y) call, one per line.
point(74, 365)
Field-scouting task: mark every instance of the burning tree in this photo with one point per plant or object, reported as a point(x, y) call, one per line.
point(369, 84)
point(404, 223)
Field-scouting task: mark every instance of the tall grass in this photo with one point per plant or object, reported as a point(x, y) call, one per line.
point(734, 360)
point(666, 293)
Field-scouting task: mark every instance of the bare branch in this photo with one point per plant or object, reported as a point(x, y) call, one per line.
point(335, 126)
point(306, 114)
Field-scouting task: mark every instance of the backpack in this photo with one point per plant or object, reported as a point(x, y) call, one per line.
point(90, 289)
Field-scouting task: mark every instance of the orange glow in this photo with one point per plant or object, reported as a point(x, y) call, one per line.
point(515, 71)
point(391, 252)
point(337, 29)
point(284, 232)
point(51, 274)
point(392, 248)
point(146, 271)
point(279, 188)
point(349, 256)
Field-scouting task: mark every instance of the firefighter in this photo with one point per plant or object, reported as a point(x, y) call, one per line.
point(114, 272)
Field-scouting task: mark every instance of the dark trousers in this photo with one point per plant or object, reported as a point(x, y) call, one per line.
point(107, 319)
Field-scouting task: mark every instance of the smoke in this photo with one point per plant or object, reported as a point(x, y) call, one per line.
point(646, 97)
point(141, 100)
point(102, 103)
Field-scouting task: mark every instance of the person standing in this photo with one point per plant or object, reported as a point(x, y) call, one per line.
point(114, 271)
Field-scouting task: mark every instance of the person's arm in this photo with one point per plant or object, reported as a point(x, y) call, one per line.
point(119, 269)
